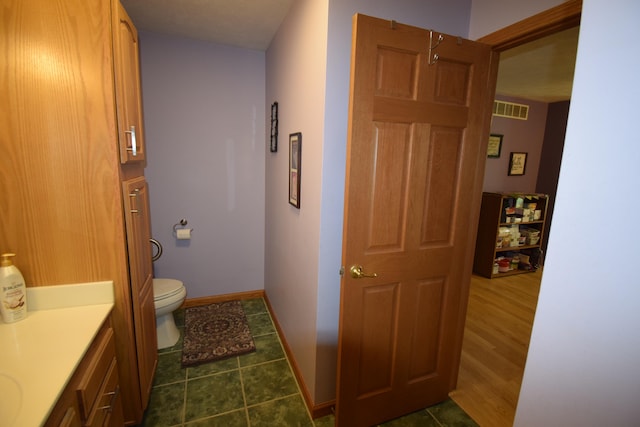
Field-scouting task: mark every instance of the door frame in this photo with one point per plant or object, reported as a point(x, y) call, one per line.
point(562, 17)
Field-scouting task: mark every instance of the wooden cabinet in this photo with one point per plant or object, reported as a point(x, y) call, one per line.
point(128, 96)
point(510, 231)
point(135, 197)
point(74, 74)
point(136, 210)
point(92, 396)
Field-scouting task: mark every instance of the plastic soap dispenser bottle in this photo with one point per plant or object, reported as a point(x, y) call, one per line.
point(13, 292)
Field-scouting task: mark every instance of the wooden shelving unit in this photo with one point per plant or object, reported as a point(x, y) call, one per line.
point(524, 212)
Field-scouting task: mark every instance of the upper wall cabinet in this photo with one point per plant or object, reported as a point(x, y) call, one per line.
point(128, 98)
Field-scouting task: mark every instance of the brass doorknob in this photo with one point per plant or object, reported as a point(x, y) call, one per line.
point(357, 272)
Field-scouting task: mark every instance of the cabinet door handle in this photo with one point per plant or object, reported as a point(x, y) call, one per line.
point(114, 395)
point(134, 196)
point(134, 144)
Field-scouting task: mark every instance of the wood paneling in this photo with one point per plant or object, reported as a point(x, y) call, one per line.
point(55, 154)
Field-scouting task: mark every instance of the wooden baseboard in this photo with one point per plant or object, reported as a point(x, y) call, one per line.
point(316, 411)
point(323, 409)
point(193, 302)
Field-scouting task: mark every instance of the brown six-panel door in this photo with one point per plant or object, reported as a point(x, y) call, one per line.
point(418, 130)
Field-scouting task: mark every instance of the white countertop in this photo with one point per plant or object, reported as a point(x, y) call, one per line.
point(41, 352)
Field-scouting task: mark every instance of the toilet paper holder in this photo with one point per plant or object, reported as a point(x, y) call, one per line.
point(181, 223)
point(158, 246)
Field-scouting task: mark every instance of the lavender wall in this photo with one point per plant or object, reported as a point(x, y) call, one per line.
point(296, 64)
point(204, 122)
point(519, 136)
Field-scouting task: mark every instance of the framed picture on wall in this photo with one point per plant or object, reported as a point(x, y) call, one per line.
point(517, 164)
point(495, 145)
point(295, 160)
point(273, 143)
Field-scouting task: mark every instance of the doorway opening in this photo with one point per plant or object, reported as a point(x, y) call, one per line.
point(498, 408)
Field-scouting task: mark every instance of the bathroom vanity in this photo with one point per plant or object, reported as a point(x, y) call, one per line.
point(58, 366)
point(92, 396)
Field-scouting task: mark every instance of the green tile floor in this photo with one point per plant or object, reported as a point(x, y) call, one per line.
point(253, 390)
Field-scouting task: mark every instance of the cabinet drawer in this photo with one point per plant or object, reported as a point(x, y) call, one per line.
point(109, 404)
point(65, 413)
point(92, 396)
point(98, 362)
point(70, 418)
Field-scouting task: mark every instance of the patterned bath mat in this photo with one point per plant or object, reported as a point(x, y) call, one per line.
point(214, 332)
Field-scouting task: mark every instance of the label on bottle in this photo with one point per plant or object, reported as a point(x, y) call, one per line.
point(13, 301)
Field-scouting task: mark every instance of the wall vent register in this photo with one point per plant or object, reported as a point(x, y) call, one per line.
point(510, 110)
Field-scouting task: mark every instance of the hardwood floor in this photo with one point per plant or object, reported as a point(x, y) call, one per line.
point(494, 350)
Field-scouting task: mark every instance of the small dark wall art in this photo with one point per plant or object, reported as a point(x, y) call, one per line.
point(495, 145)
point(517, 164)
point(295, 160)
point(273, 142)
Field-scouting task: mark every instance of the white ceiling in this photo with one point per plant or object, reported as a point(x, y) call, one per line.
point(541, 70)
point(244, 23)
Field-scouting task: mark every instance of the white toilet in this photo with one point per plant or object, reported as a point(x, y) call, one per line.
point(168, 295)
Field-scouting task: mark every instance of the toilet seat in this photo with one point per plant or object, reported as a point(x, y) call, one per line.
point(166, 288)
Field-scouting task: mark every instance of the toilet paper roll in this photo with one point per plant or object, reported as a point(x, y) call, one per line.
point(183, 233)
